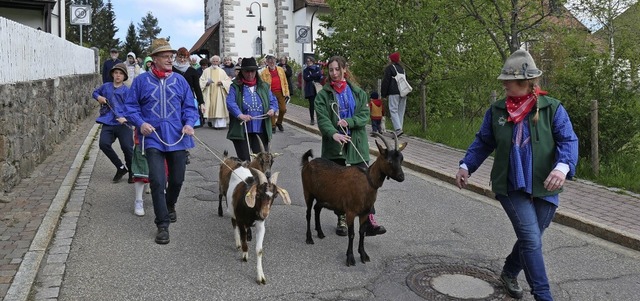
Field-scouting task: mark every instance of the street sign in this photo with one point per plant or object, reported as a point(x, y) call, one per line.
point(303, 34)
point(80, 15)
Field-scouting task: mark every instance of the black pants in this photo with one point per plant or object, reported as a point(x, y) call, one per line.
point(312, 106)
point(242, 149)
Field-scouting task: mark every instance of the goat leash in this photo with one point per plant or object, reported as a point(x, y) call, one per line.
point(218, 157)
point(246, 132)
point(344, 130)
point(161, 141)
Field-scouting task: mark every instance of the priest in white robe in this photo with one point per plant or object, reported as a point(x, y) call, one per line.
point(215, 86)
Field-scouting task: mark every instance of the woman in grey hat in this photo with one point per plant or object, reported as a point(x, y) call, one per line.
point(536, 149)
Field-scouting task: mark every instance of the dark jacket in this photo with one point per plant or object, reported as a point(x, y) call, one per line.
point(389, 84)
point(106, 70)
point(311, 74)
point(193, 78)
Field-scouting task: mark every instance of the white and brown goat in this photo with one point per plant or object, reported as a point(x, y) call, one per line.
point(351, 190)
point(252, 193)
point(261, 161)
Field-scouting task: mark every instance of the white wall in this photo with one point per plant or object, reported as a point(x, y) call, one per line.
point(29, 54)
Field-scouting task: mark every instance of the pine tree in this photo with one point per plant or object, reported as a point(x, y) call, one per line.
point(103, 31)
point(148, 30)
point(131, 43)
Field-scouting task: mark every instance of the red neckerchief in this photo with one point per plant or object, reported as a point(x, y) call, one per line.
point(159, 73)
point(519, 106)
point(250, 83)
point(339, 86)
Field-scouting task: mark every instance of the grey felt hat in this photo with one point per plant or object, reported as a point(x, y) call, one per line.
point(519, 65)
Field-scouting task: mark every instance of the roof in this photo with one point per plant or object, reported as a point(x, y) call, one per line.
point(204, 38)
point(322, 3)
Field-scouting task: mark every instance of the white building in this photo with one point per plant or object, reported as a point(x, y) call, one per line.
point(45, 15)
point(232, 28)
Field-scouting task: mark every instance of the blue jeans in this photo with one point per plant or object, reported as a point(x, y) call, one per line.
point(108, 135)
point(529, 217)
point(176, 165)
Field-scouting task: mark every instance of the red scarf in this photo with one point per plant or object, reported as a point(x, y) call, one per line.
point(159, 73)
point(250, 83)
point(339, 86)
point(519, 106)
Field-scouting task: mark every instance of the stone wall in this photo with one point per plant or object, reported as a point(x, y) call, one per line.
point(35, 116)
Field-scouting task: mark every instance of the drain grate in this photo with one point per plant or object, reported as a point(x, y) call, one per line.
point(421, 282)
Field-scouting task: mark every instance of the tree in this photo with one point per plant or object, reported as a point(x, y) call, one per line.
point(510, 23)
point(434, 49)
point(148, 30)
point(131, 43)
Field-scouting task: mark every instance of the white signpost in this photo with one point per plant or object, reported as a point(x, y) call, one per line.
point(80, 15)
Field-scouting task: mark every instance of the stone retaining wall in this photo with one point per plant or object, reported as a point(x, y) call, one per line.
point(35, 116)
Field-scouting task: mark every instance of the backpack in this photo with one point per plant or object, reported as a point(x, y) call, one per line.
point(403, 84)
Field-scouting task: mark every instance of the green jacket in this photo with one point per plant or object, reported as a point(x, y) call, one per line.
point(328, 125)
point(236, 130)
point(543, 146)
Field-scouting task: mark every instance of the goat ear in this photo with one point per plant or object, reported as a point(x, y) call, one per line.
point(285, 196)
point(402, 146)
point(250, 197)
point(253, 156)
point(274, 178)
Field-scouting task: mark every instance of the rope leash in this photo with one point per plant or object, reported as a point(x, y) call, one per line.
point(218, 157)
point(344, 130)
point(246, 132)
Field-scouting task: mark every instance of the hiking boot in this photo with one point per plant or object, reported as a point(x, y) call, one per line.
point(138, 208)
point(120, 173)
point(373, 228)
point(273, 130)
point(341, 229)
point(280, 127)
point(130, 180)
point(312, 122)
point(162, 238)
point(399, 133)
point(173, 216)
point(511, 285)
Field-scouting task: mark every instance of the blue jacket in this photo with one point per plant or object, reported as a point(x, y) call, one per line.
point(311, 74)
point(167, 104)
point(115, 98)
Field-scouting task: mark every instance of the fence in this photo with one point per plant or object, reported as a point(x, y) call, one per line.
point(29, 54)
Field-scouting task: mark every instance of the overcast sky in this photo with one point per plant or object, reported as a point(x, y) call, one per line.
point(182, 20)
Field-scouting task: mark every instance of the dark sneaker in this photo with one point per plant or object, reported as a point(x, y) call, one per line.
point(210, 124)
point(188, 161)
point(280, 127)
point(373, 228)
point(173, 216)
point(511, 285)
point(120, 173)
point(399, 133)
point(341, 229)
point(162, 237)
point(273, 130)
point(130, 180)
point(313, 122)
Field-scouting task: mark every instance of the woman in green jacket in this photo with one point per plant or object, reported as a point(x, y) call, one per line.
point(343, 113)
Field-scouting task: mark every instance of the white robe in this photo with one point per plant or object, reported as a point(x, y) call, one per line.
point(215, 96)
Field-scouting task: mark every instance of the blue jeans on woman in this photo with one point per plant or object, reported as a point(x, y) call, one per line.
point(176, 165)
point(529, 217)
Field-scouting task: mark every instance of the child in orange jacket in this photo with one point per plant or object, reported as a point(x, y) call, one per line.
point(377, 111)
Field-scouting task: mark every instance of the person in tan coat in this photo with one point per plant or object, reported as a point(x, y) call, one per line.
point(215, 83)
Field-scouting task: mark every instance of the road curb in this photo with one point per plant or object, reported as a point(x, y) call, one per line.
point(562, 217)
point(23, 280)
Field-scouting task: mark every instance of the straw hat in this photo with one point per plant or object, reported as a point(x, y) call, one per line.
point(519, 65)
point(160, 45)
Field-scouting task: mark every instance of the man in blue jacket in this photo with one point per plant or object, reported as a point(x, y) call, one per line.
point(108, 64)
point(161, 106)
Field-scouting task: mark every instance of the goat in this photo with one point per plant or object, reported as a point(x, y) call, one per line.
point(351, 190)
point(261, 161)
point(252, 193)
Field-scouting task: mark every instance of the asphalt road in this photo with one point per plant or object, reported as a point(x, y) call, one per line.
point(430, 223)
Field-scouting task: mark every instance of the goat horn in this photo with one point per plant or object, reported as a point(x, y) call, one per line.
point(261, 145)
point(395, 140)
point(384, 140)
point(258, 174)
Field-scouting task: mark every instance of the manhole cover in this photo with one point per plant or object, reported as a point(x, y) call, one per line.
point(456, 282)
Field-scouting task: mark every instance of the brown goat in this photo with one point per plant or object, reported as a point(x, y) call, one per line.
point(261, 161)
point(252, 194)
point(348, 189)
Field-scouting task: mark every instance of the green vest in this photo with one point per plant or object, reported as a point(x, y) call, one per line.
point(543, 146)
point(236, 130)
